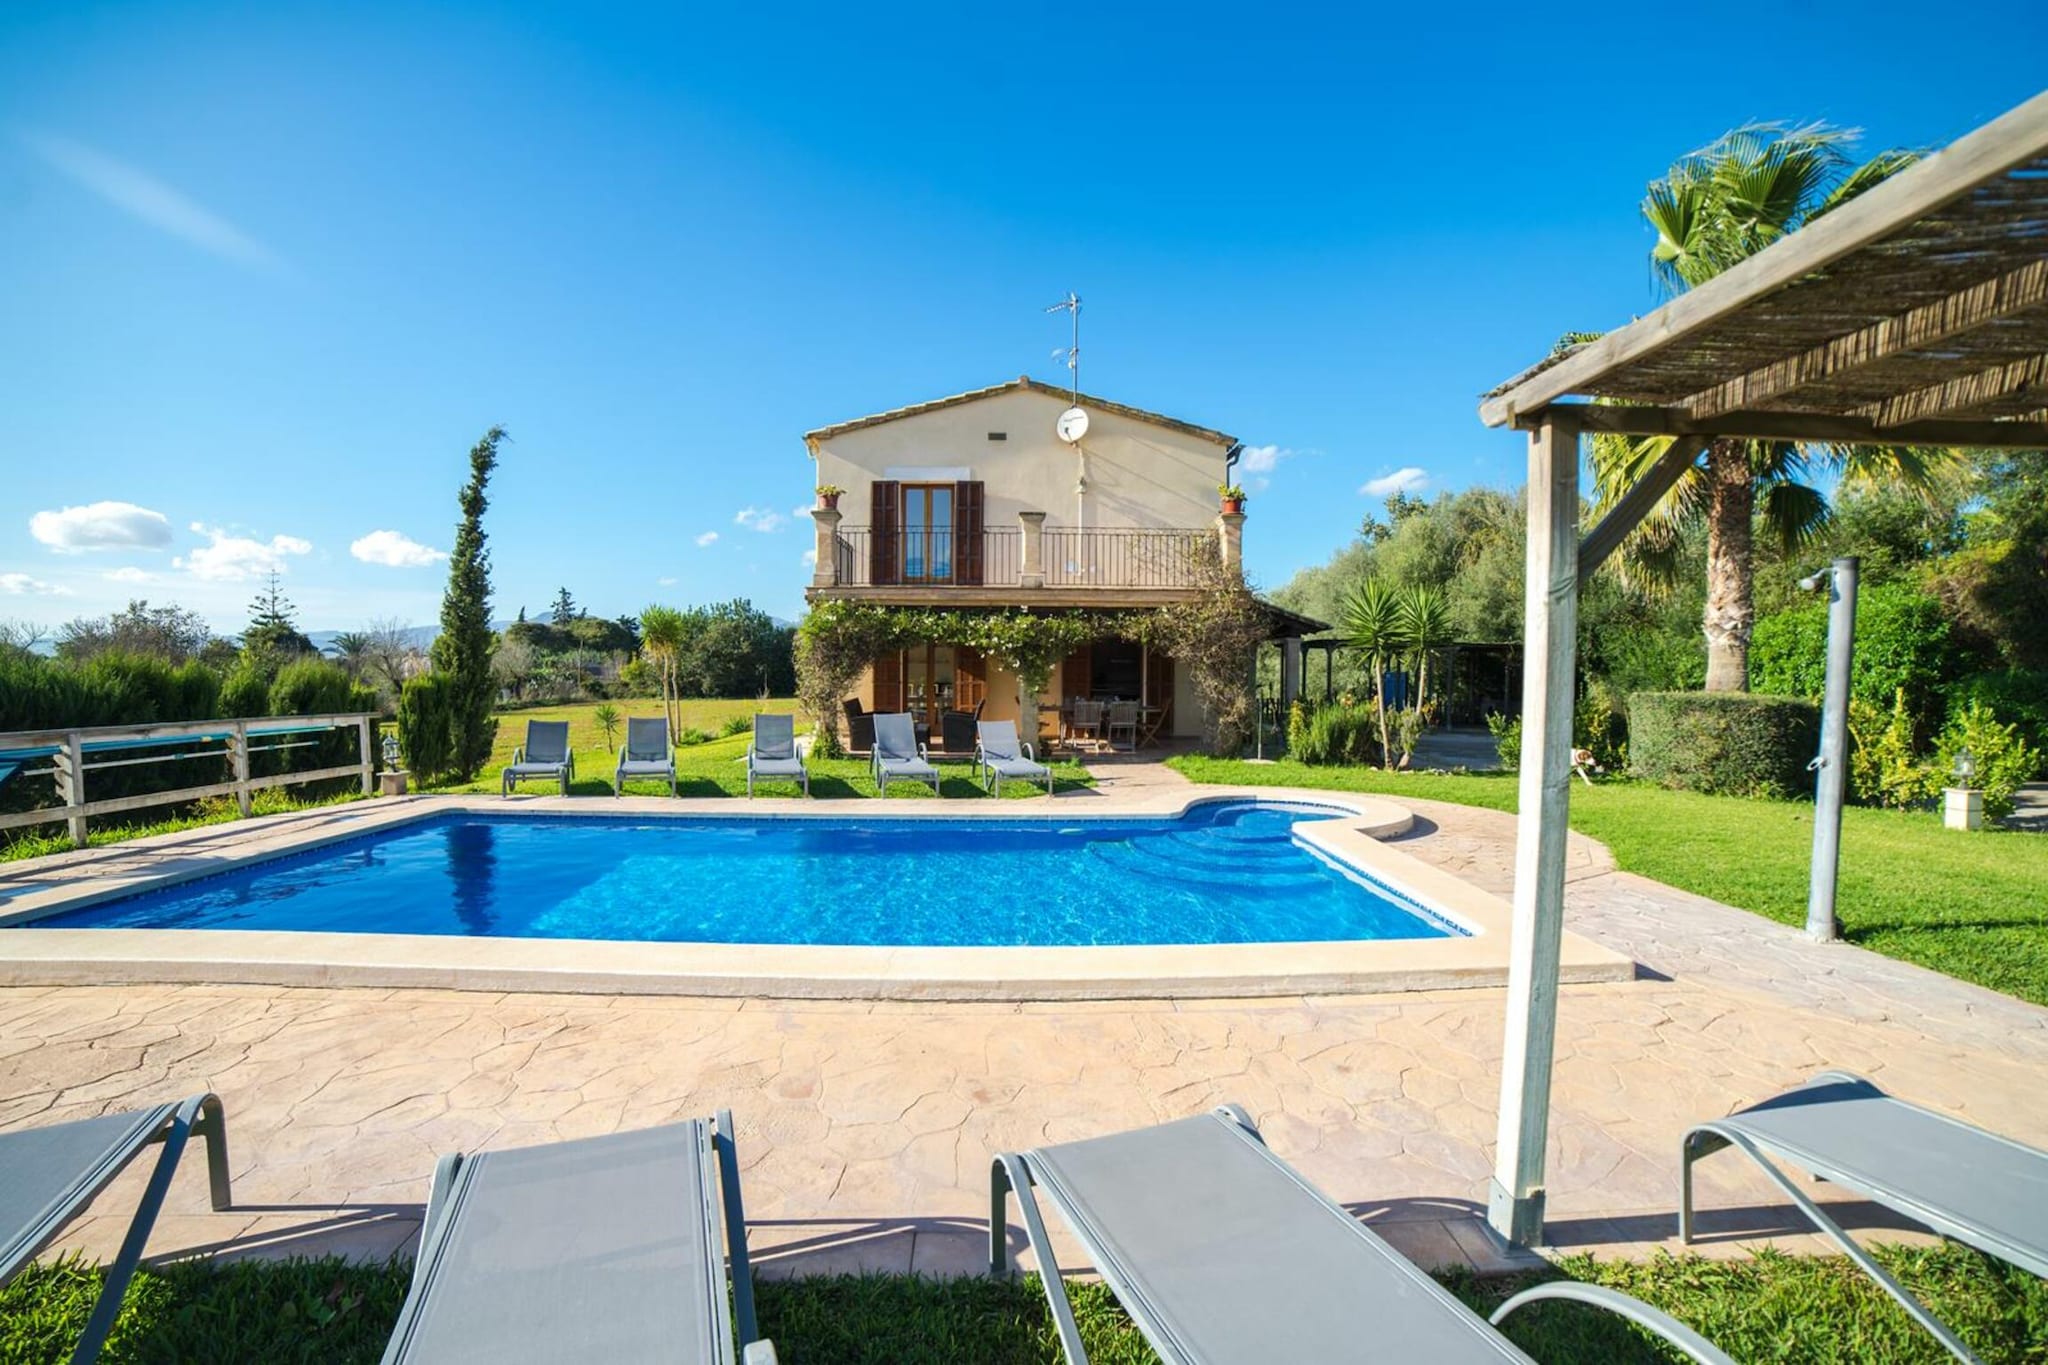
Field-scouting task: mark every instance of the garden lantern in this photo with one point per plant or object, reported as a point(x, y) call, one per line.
point(1962, 806)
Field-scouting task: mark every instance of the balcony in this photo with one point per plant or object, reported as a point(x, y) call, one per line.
point(1023, 565)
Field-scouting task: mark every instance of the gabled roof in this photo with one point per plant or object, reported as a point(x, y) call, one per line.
point(1023, 383)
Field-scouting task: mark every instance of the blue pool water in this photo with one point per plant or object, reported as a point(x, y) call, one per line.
point(1222, 873)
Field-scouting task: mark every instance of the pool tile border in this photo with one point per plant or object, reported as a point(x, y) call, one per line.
point(1352, 835)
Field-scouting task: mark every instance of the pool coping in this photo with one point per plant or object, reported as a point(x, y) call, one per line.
point(1352, 835)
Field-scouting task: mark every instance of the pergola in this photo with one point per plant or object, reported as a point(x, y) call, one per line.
point(1916, 314)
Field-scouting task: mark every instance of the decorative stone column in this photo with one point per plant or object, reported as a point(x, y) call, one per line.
point(825, 573)
point(1031, 566)
point(1230, 529)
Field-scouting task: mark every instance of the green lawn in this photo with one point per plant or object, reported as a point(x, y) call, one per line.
point(1793, 1310)
point(715, 767)
point(1968, 904)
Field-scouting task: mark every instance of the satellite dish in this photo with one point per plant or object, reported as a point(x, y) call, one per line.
point(1072, 426)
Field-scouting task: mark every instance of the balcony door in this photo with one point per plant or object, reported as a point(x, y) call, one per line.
point(927, 528)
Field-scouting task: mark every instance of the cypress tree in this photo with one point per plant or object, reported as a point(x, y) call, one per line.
point(462, 652)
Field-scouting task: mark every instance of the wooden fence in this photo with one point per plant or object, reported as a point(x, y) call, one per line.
point(69, 752)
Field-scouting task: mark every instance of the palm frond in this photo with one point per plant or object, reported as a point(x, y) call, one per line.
point(1793, 513)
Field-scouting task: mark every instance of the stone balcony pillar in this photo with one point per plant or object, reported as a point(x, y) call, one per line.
point(1230, 539)
point(1031, 563)
point(825, 573)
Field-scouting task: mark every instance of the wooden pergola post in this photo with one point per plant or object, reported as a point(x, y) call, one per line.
point(1550, 630)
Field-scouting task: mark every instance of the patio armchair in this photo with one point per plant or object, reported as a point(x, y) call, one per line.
point(604, 1248)
point(545, 756)
point(1982, 1190)
point(956, 728)
point(49, 1175)
point(860, 727)
point(998, 754)
point(773, 753)
point(1220, 1251)
point(646, 753)
point(898, 757)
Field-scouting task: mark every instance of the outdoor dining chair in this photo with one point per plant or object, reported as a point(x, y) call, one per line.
point(1084, 724)
point(49, 1175)
point(1221, 1251)
point(545, 756)
point(1123, 720)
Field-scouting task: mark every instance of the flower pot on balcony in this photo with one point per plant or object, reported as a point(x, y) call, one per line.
point(829, 501)
point(1232, 506)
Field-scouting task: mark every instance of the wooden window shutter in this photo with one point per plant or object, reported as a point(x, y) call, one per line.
point(889, 682)
point(967, 537)
point(884, 532)
point(970, 678)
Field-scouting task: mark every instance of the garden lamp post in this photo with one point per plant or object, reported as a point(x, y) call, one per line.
point(1962, 806)
point(391, 782)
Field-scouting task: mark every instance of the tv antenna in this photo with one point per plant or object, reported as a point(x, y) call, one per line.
point(1071, 354)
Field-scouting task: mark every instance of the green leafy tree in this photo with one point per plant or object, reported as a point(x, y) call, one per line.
point(462, 652)
point(564, 610)
point(1713, 209)
point(664, 632)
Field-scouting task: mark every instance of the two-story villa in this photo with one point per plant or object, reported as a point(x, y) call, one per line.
point(982, 500)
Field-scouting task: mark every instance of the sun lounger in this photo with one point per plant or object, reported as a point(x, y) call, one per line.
point(48, 1175)
point(998, 754)
point(1980, 1189)
point(773, 753)
point(898, 757)
point(1220, 1251)
point(604, 1248)
point(544, 757)
point(646, 754)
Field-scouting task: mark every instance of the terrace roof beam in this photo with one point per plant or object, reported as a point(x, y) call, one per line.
point(1629, 420)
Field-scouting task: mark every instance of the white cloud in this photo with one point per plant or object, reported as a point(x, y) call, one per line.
point(665, 581)
point(101, 526)
point(129, 574)
point(395, 550)
point(708, 538)
point(1262, 459)
point(228, 558)
point(21, 585)
point(1407, 479)
point(811, 558)
point(143, 196)
point(759, 519)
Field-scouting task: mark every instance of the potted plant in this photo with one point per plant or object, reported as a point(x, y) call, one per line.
point(829, 495)
point(1232, 496)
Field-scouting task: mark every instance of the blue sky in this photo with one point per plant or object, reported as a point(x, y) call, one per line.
point(268, 271)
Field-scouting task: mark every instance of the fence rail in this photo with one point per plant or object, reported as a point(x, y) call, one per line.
point(1069, 558)
point(69, 751)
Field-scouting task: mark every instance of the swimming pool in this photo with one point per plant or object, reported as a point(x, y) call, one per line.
point(1229, 872)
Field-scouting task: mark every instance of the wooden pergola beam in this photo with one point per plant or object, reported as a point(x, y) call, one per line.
point(1996, 149)
point(1624, 420)
point(1966, 310)
point(1960, 394)
point(1605, 538)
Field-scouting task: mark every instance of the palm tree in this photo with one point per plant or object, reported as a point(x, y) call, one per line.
point(1716, 207)
point(1425, 625)
point(1372, 620)
point(663, 634)
point(352, 649)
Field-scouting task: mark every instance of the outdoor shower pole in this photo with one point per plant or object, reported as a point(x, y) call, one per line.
point(1831, 768)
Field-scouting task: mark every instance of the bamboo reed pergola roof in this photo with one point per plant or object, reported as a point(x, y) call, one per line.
point(1915, 314)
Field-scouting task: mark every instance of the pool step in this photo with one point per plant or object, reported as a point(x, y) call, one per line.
point(1171, 863)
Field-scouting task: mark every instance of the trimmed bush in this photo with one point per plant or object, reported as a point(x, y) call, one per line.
point(1729, 743)
point(1333, 733)
point(426, 718)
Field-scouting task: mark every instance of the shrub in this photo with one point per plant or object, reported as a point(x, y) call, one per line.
point(690, 734)
point(1333, 733)
point(1732, 743)
point(1902, 645)
point(1599, 725)
point(426, 727)
point(2002, 755)
point(736, 725)
point(1507, 739)
point(245, 691)
point(2019, 696)
point(1884, 765)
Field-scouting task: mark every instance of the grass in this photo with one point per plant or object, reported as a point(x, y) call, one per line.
point(714, 767)
point(1968, 904)
point(37, 840)
point(1793, 1310)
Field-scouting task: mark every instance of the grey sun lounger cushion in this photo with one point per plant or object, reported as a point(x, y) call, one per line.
point(1221, 1252)
point(544, 755)
point(646, 754)
point(602, 1249)
point(1983, 1190)
point(49, 1175)
point(999, 754)
point(773, 753)
point(897, 754)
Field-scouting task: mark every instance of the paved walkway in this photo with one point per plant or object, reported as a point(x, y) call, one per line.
point(866, 1130)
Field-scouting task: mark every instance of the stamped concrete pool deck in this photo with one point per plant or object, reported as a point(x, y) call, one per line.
point(865, 1128)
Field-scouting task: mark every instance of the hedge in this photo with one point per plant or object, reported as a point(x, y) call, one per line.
point(1730, 743)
